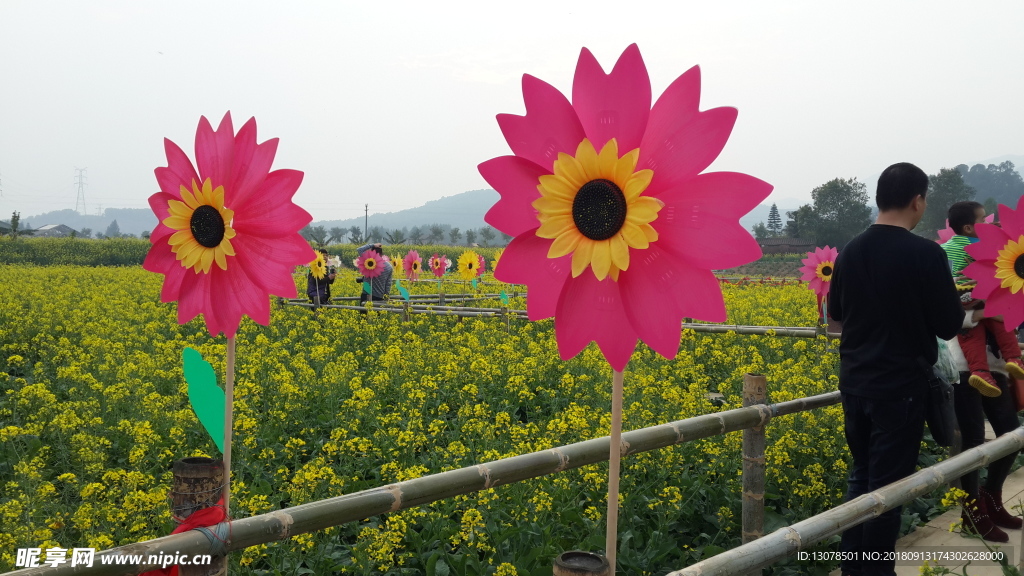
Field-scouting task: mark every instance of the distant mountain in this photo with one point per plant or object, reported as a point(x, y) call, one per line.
point(464, 211)
point(129, 220)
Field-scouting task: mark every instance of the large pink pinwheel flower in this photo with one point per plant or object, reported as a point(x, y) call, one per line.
point(946, 233)
point(817, 271)
point(227, 237)
point(413, 265)
point(998, 266)
point(616, 230)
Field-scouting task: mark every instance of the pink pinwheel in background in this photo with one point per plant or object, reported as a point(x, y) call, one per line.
point(817, 272)
point(998, 266)
point(370, 264)
point(483, 265)
point(946, 233)
point(438, 265)
point(413, 265)
point(616, 231)
point(227, 236)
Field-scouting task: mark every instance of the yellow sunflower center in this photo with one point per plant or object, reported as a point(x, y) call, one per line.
point(824, 271)
point(1010, 265)
point(203, 227)
point(592, 208)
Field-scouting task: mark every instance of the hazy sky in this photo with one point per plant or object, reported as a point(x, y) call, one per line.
point(393, 103)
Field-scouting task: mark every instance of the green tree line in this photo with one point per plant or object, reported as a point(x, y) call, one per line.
point(841, 208)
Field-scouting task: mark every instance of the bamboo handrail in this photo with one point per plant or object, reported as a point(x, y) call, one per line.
point(288, 522)
point(792, 539)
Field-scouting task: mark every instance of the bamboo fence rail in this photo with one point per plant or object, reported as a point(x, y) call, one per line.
point(792, 539)
point(288, 522)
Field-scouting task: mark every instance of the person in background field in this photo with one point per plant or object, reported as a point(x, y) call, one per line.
point(319, 289)
point(963, 219)
point(894, 295)
point(380, 286)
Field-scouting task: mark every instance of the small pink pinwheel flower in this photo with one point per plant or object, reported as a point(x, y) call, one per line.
point(438, 264)
point(413, 265)
point(946, 233)
point(616, 230)
point(370, 264)
point(817, 271)
point(227, 236)
point(483, 265)
point(998, 266)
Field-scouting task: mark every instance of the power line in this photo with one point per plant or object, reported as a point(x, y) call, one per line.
point(80, 182)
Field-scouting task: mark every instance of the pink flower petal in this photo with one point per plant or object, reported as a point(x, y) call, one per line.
point(516, 180)
point(652, 275)
point(991, 239)
point(179, 171)
point(687, 151)
point(215, 152)
point(525, 261)
point(1010, 306)
point(1012, 221)
point(251, 164)
point(591, 310)
point(700, 221)
point(699, 294)
point(270, 212)
point(272, 277)
point(615, 105)
point(549, 127)
point(192, 296)
point(984, 273)
point(159, 202)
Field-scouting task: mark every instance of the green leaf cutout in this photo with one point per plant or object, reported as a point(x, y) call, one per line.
point(366, 288)
point(206, 397)
point(504, 297)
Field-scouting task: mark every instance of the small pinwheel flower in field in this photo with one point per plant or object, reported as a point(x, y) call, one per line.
point(396, 262)
point(438, 265)
point(483, 265)
point(817, 272)
point(998, 266)
point(227, 236)
point(616, 229)
point(318, 267)
point(413, 265)
point(370, 264)
point(469, 265)
point(497, 258)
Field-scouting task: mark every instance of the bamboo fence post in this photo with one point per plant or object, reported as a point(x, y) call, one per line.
point(229, 409)
point(198, 484)
point(614, 455)
point(579, 563)
point(754, 393)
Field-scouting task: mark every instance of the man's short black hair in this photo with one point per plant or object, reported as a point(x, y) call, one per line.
point(378, 249)
point(898, 185)
point(961, 214)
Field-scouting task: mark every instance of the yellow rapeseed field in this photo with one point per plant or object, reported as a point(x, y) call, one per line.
point(94, 411)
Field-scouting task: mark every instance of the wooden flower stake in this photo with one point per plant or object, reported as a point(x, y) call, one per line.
point(614, 453)
point(196, 486)
point(229, 405)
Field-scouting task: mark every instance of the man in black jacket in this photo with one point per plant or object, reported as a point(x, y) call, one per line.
point(894, 294)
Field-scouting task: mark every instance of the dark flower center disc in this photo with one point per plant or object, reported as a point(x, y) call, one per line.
point(370, 264)
point(1018, 266)
point(207, 226)
point(599, 209)
point(826, 270)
